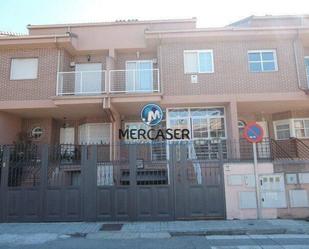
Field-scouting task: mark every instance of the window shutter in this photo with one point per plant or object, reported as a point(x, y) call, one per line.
point(191, 62)
point(25, 68)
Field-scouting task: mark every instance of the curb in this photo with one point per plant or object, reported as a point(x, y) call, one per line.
point(232, 232)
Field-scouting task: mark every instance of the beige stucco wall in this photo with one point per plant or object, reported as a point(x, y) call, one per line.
point(122, 35)
point(10, 126)
point(233, 210)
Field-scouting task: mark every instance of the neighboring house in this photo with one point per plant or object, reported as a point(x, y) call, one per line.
point(80, 83)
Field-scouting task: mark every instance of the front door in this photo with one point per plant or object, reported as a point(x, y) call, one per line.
point(139, 76)
point(88, 78)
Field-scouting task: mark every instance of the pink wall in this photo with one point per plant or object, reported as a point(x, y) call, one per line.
point(233, 210)
point(10, 126)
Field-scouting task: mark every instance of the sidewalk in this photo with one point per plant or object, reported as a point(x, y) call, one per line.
point(158, 229)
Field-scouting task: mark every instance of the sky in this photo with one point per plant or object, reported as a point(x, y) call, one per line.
point(16, 14)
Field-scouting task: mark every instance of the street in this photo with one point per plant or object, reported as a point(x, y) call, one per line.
point(285, 241)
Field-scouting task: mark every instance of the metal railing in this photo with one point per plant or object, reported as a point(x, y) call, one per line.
point(81, 83)
point(134, 81)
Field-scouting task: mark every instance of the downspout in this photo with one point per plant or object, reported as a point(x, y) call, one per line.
point(58, 67)
point(297, 67)
point(160, 64)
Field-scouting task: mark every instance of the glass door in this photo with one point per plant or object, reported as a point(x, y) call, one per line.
point(88, 78)
point(139, 76)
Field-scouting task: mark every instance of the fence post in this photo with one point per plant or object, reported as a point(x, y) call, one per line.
point(4, 183)
point(171, 176)
point(181, 186)
point(89, 183)
point(221, 168)
point(133, 188)
point(43, 179)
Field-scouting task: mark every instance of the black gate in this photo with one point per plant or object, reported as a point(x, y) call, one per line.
point(199, 186)
point(81, 183)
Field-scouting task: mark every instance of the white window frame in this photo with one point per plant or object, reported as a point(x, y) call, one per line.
point(24, 78)
point(138, 124)
point(198, 51)
point(294, 130)
point(292, 127)
point(190, 117)
point(139, 62)
point(307, 71)
point(86, 125)
point(274, 51)
point(282, 122)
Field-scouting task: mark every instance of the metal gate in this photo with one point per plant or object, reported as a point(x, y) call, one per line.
point(82, 183)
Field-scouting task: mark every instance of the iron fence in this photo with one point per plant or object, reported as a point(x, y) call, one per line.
point(152, 159)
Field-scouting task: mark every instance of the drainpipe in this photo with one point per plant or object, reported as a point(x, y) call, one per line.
point(58, 70)
point(160, 65)
point(297, 67)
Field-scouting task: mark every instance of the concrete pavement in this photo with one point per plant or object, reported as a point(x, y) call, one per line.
point(185, 242)
point(175, 234)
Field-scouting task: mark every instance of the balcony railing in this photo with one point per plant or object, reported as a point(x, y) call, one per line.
point(134, 81)
point(120, 81)
point(81, 83)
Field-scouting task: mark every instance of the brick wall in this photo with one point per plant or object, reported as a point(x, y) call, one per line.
point(41, 88)
point(231, 74)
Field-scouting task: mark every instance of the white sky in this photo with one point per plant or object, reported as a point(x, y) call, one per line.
point(209, 13)
point(16, 14)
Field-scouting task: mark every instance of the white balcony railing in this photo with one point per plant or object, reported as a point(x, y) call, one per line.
point(81, 83)
point(134, 81)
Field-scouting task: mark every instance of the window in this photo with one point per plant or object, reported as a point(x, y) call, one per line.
point(262, 61)
point(36, 132)
point(307, 69)
point(301, 128)
point(203, 123)
point(206, 125)
point(139, 76)
point(24, 69)
point(282, 129)
point(136, 126)
point(198, 61)
point(95, 133)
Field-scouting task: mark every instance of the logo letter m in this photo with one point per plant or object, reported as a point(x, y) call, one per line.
point(153, 116)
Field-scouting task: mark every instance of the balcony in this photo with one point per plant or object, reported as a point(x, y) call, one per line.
point(134, 81)
point(81, 83)
point(119, 81)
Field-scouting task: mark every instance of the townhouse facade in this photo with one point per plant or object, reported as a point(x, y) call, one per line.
point(76, 84)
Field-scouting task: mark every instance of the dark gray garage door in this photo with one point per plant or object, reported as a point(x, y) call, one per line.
point(76, 183)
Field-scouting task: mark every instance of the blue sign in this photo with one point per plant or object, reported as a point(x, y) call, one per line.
point(151, 114)
point(254, 133)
